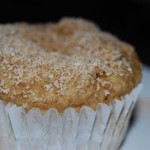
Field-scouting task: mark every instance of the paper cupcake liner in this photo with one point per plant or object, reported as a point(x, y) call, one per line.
point(100, 129)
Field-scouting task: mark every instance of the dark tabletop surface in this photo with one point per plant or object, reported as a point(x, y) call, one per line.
point(127, 19)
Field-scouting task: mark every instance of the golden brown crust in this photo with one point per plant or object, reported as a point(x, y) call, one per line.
point(69, 64)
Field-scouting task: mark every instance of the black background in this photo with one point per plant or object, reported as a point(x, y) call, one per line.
point(127, 19)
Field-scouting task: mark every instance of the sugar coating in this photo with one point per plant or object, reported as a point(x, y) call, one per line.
point(66, 64)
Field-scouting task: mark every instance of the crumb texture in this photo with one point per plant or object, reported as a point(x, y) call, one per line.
point(66, 64)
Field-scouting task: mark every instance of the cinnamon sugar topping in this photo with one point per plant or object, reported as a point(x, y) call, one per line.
point(51, 59)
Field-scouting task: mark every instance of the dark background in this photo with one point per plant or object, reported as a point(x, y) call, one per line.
point(127, 19)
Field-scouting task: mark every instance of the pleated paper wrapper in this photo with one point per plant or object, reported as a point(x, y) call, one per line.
point(100, 129)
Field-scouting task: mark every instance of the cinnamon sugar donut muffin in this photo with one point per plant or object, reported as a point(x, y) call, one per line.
point(74, 64)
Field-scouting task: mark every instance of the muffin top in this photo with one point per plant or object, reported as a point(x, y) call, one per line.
point(66, 64)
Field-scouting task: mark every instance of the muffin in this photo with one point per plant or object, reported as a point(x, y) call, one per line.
point(66, 85)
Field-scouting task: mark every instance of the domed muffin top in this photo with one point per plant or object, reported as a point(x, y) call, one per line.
point(66, 64)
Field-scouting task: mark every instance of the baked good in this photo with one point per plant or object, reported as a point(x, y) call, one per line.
point(66, 85)
point(69, 64)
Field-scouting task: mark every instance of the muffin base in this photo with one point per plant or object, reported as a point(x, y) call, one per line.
point(100, 129)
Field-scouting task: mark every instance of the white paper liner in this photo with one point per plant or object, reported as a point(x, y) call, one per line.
point(103, 129)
